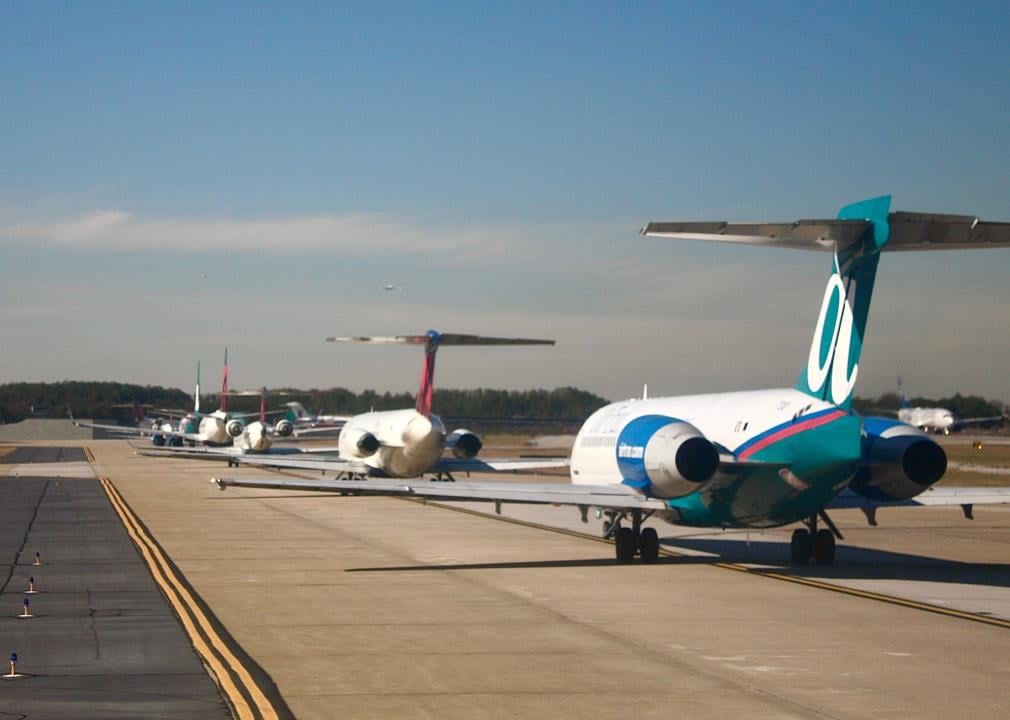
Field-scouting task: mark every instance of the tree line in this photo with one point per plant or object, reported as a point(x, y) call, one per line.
point(125, 401)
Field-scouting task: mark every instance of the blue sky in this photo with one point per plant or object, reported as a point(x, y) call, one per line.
point(177, 178)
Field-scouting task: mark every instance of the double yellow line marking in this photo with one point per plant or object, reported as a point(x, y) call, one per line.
point(88, 455)
point(809, 582)
point(232, 677)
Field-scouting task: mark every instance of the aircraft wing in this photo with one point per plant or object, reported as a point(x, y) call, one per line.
point(298, 432)
point(963, 422)
point(619, 497)
point(937, 496)
point(502, 465)
point(142, 432)
point(233, 453)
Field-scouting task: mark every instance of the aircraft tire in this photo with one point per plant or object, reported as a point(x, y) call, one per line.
point(624, 544)
point(800, 547)
point(824, 548)
point(648, 545)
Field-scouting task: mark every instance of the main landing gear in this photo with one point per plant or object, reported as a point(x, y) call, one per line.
point(629, 541)
point(810, 543)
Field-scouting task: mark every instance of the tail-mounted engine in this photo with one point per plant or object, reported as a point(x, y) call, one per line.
point(463, 444)
point(899, 461)
point(284, 428)
point(361, 442)
point(233, 428)
point(664, 456)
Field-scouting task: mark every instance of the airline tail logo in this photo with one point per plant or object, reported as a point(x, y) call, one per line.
point(831, 348)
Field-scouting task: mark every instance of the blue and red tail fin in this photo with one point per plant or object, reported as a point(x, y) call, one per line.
point(426, 392)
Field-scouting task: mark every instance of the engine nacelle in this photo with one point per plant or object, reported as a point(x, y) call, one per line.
point(233, 428)
point(664, 456)
point(284, 428)
point(901, 461)
point(463, 443)
point(361, 442)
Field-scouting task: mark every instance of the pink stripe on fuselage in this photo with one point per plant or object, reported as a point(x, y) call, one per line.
point(790, 431)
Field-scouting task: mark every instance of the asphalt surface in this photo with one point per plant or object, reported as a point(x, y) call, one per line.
point(45, 455)
point(103, 642)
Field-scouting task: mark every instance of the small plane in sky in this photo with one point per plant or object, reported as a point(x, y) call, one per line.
point(758, 459)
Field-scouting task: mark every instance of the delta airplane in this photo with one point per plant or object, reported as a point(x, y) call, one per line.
point(756, 459)
point(410, 443)
point(937, 419)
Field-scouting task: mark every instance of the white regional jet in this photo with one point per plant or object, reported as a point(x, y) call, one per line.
point(220, 428)
point(410, 443)
point(752, 459)
point(937, 419)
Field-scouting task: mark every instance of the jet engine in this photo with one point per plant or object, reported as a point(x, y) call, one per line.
point(233, 428)
point(900, 461)
point(284, 428)
point(463, 443)
point(665, 456)
point(363, 442)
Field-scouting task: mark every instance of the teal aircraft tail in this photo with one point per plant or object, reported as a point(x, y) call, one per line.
point(856, 238)
point(833, 362)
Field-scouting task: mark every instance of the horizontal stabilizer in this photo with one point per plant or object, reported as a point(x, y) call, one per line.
point(908, 231)
point(442, 339)
point(800, 235)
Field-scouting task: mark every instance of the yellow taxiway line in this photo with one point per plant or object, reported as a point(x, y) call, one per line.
point(245, 696)
point(756, 571)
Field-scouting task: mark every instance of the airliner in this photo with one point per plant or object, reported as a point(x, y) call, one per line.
point(937, 419)
point(755, 459)
point(220, 428)
point(412, 442)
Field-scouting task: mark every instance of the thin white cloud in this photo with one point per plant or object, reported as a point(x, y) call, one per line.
point(352, 234)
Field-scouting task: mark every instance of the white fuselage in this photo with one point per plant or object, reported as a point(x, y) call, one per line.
point(725, 419)
point(928, 418)
point(213, 428)
point(255, 438)
point(409, 443)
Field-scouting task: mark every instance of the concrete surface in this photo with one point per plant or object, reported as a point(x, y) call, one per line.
point(373, 607)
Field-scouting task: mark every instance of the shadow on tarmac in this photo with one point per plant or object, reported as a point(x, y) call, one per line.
point(852, 563)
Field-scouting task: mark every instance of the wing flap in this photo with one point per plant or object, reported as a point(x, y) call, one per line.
point(934, 497)
point(500, 465)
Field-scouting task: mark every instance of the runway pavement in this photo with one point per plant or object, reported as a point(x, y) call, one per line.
point(373, 607)
point(102, 643)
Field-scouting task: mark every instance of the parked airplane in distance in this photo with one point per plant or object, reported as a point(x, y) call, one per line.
point(216, 429)
point(410, 443)
point(756, 459)
point(937, 419)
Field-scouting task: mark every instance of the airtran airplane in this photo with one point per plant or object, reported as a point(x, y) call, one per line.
point(757, 459)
